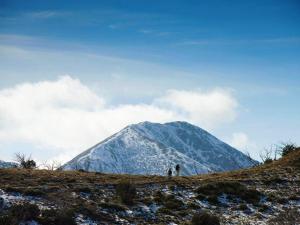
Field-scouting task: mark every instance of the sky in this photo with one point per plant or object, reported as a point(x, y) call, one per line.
point(74, 72)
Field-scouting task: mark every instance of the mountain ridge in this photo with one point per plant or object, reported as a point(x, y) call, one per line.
point(4, 164)
point(152, 148)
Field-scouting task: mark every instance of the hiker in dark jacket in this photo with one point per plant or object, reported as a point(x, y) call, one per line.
point(177, 168)
point(170, 173)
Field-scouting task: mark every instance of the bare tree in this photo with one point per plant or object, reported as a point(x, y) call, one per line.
point(52, 165)
point(25, 162)
point(266, 154)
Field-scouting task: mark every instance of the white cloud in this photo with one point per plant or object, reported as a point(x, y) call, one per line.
point(242, 142)
point(239, 140)
point(68, 116)
point(205, 108)
point(45, 14)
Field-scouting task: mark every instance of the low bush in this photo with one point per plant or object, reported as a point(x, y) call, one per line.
point(7, 220)
point(243, 207)
point(19, 213)
point(25, 212)
point(112, 206)
point(287, 148)
point(33, 192)
point(268, 161)
point(192, 205)
point(126, 191)
point(211, 191)
point(263, 208)
point(57, 217)
point(288, 217)
point(170, 202)
point(84, 189)
point(205, 218)
point(158, 197)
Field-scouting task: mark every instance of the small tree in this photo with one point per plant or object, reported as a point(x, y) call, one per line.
point(287, 148)
point(24, 161)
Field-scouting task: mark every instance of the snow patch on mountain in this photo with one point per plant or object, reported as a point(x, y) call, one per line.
point(152, 148)
point(7, 164)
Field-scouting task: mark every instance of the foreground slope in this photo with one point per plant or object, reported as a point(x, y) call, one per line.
point(266, 194)
point(152, 148)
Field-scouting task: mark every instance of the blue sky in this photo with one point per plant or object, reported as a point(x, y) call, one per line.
point(132, 53)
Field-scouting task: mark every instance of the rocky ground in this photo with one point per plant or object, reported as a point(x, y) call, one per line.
point(266, 194)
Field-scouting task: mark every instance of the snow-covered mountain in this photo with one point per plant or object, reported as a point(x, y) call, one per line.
point(7, 164)
point(152, 148)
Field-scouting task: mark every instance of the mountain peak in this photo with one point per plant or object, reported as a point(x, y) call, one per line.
point(167, 123)
point(178, 124)
point(152, 148)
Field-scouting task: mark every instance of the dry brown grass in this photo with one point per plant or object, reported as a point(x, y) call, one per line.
point(64, 188)
point(22, 179)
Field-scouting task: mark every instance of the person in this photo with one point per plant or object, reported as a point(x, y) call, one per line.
point(170, 173)
point(177, 168)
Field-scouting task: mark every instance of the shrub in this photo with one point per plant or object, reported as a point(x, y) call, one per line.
point(287, 148)
point(25, 162)
point(243, 207)
point(211, 191)
point(192, 205)
point(126, 191)
point(20, 213)
point(263, 208)
point(158, 197)
point(8, 220)
point(288, 217)
point(57, 217)
point(25, 212)
point(170, 202)
point(84, 189)
point(164, 210)
point(268, 161)
point(33, 192)
point(205, 218)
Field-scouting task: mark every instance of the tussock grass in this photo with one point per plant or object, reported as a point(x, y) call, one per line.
point(86, 192)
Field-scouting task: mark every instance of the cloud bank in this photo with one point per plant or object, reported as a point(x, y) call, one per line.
point(68, 116)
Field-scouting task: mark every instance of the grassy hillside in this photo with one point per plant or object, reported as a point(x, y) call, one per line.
point(259, 195)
